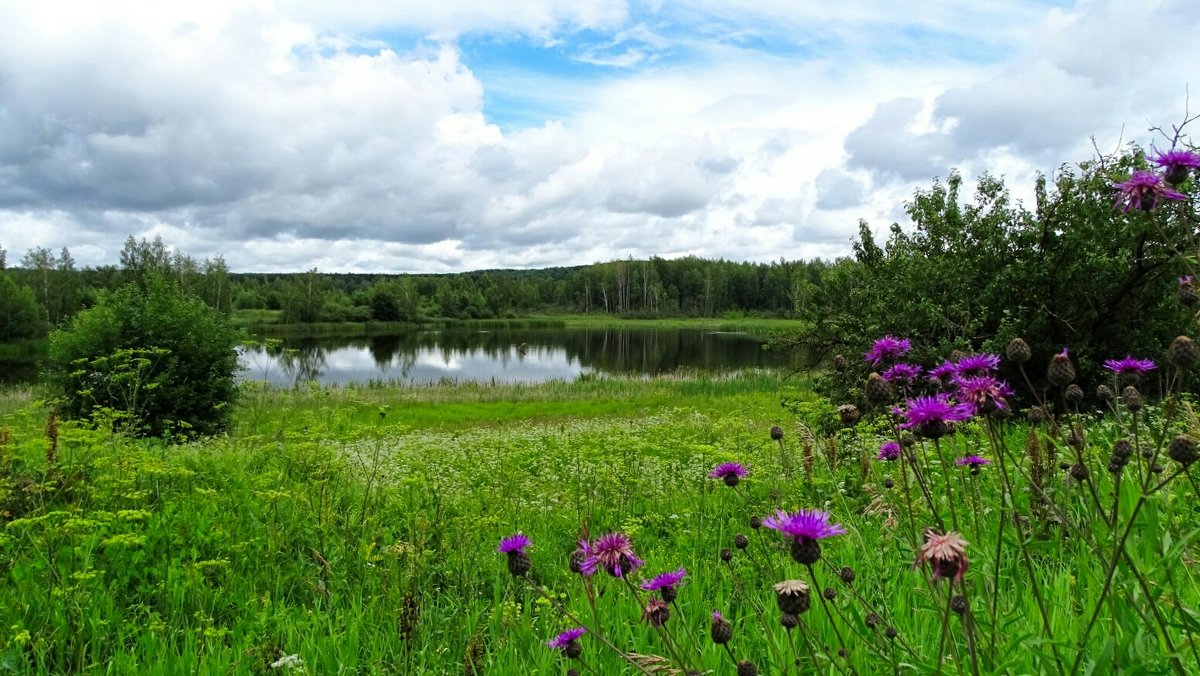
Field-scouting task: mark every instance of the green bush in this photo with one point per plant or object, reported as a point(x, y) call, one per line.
point(150, 358)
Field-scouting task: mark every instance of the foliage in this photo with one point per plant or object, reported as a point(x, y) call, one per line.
point(21, 317)
point(159, 359)
point(1076, 271)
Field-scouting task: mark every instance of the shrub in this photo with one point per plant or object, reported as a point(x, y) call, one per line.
point(156, 359)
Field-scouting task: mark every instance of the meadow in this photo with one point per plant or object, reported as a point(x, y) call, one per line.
point(344, 530)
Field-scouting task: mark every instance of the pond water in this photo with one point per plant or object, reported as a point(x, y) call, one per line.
point(502, 355)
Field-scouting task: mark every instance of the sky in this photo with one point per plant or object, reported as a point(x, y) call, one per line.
point(418, 136)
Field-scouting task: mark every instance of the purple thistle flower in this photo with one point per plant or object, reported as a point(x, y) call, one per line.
point(517, 542)
point(887, 348)
point(902, 373)
point(984, 393)
point(670, 579)
point(566, 638)
point(929, 415)
point(1144, 190)
point(889, 451)
point(809, 524)
point(1130, 366)
point(612, 552)
point(972, 461)
point(716, 615)
point(1176, 164)
point(730, 472)
point(942, 373)
point(976, 365)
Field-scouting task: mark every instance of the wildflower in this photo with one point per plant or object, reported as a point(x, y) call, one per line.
point(720, 629)
point(1144, 190)
point(289, 662)
point(612, 552)
point(976, 365)
point(942, 373)
point(792, 597)
point(665, 583)
point(930, 415)
point(1129, 367)
point(518, 559)
point(730, 472)
point(887, 348)
point(945, 554)
point(656, 612)
point(904, 374)
point(972, 461)
point(1176, 164)
point(806, 528)
point(889, 451)
point(746, 668)
point(1061, 371)
point(983, 392)
point(568, 642)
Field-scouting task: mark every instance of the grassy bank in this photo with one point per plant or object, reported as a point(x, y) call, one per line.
point(356, 529)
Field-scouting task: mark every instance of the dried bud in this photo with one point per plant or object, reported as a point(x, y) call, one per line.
point(656, 613)
point(1074, 393)
point(1079, 472)
point(1018, 351)
point(848, 413)
point(792, 597)
point(1183, 353)
point(1104, 393)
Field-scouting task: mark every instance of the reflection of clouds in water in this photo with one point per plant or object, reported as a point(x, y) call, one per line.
point(529, 355)
point(356, 364)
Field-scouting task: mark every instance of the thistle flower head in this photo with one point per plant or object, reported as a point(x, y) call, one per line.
point(563, 640)
point(808, 524)
point(930, 415)
point(976, 365)
point(889, 451)
point(1176, 164)
point(518, 542)
point(943, 372)
point(730, 472)
point(669, 579)
point(1130, 366)
point(984, 392)
point(887, 348)
point(613, 553)
point(946, 555)
point(1144, 191)
point(657, 612)
point(902, 374)
point(972, 461)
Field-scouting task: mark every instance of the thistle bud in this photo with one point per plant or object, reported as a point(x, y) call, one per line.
point(726, 555)
point(1061, 371)
point(1079, 472)
point(878, 391)
point(1182, 450)
point(789, 621)
point(1186, 292)
point(1037, 415)
point(1132, 398)
point(1018, 351)
point(756, 522)
point(656, 612)
point(847, 574)
point(747, 668)
point(720, 629)
point(830, 593)
point(840, 363)
point(1183, 353)
point(1074, 393)
point(849, 415)
point(872, 620)
point(776, 432)
point(958, 604)
point(792, 597)
point(741, 541)
point(1104, 393)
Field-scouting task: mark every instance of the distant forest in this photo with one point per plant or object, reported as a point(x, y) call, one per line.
point(50, 288)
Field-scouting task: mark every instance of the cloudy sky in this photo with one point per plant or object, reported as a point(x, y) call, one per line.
point(428, 136)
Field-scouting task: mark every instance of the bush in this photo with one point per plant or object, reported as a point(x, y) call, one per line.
point(153, 358)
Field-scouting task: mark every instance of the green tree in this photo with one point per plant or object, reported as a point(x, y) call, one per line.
point(149, 352)
point(21, 317)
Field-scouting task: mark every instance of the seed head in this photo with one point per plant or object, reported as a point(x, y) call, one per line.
point(776, 432)
point(741, 541)
point(746, 668)
point(792, 597)
point(848, 413)
point(1074, 393)
point(946, 555)
point(1132, 398)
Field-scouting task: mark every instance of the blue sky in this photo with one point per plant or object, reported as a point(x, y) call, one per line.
point(409, 136)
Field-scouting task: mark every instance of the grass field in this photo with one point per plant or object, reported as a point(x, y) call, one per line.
point(357, 529)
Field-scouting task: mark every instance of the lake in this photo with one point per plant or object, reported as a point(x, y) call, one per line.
point(503, 355)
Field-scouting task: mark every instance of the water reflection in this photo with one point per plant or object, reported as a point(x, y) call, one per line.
point(501, 355)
